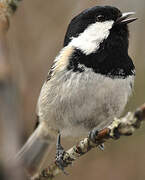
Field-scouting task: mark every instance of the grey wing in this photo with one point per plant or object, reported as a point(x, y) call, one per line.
point(57, 68)
point(47, 79)
point(50, 72)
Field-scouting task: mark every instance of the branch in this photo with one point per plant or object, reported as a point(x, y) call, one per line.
point(8, 7)
point(119, 127)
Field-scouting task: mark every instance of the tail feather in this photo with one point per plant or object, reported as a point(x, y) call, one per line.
point(33, 153)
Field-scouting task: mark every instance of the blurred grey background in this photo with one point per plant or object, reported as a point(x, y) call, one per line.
point(34, 38)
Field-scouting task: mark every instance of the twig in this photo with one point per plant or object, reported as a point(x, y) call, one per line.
point(119, 127)
point(9, 6)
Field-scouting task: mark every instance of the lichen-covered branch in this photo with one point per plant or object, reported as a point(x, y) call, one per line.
point(8, 6)
point(7, 9)
point(120, 127)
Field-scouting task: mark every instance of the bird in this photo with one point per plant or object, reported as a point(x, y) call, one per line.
point(88, 84)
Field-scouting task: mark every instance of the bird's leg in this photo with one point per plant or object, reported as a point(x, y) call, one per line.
point(60, 152)
point(92, 136)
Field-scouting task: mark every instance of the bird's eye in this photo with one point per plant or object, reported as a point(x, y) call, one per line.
point(100, 18)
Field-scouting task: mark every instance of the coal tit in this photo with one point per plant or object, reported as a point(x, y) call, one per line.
point(88, 84)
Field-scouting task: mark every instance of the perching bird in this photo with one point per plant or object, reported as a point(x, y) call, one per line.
point(88, 84)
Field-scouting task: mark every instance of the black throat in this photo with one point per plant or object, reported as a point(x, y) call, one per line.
point(111, 59)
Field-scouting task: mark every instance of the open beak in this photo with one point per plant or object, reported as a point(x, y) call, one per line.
point(124, 19)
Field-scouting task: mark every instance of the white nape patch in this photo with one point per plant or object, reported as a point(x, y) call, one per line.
point(62, 60)
point(89, 40)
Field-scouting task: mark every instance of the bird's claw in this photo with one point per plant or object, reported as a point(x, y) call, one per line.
point(101, 147)
point(92, 136)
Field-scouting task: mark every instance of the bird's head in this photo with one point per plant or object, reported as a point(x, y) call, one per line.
point(91, 27)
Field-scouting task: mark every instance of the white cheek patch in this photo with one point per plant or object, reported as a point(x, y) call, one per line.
point(89, 40)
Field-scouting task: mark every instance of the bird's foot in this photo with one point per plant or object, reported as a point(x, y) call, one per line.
point(60, 152)
point(92, 136)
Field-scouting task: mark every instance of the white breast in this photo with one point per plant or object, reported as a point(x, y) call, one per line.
point(81, 101)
